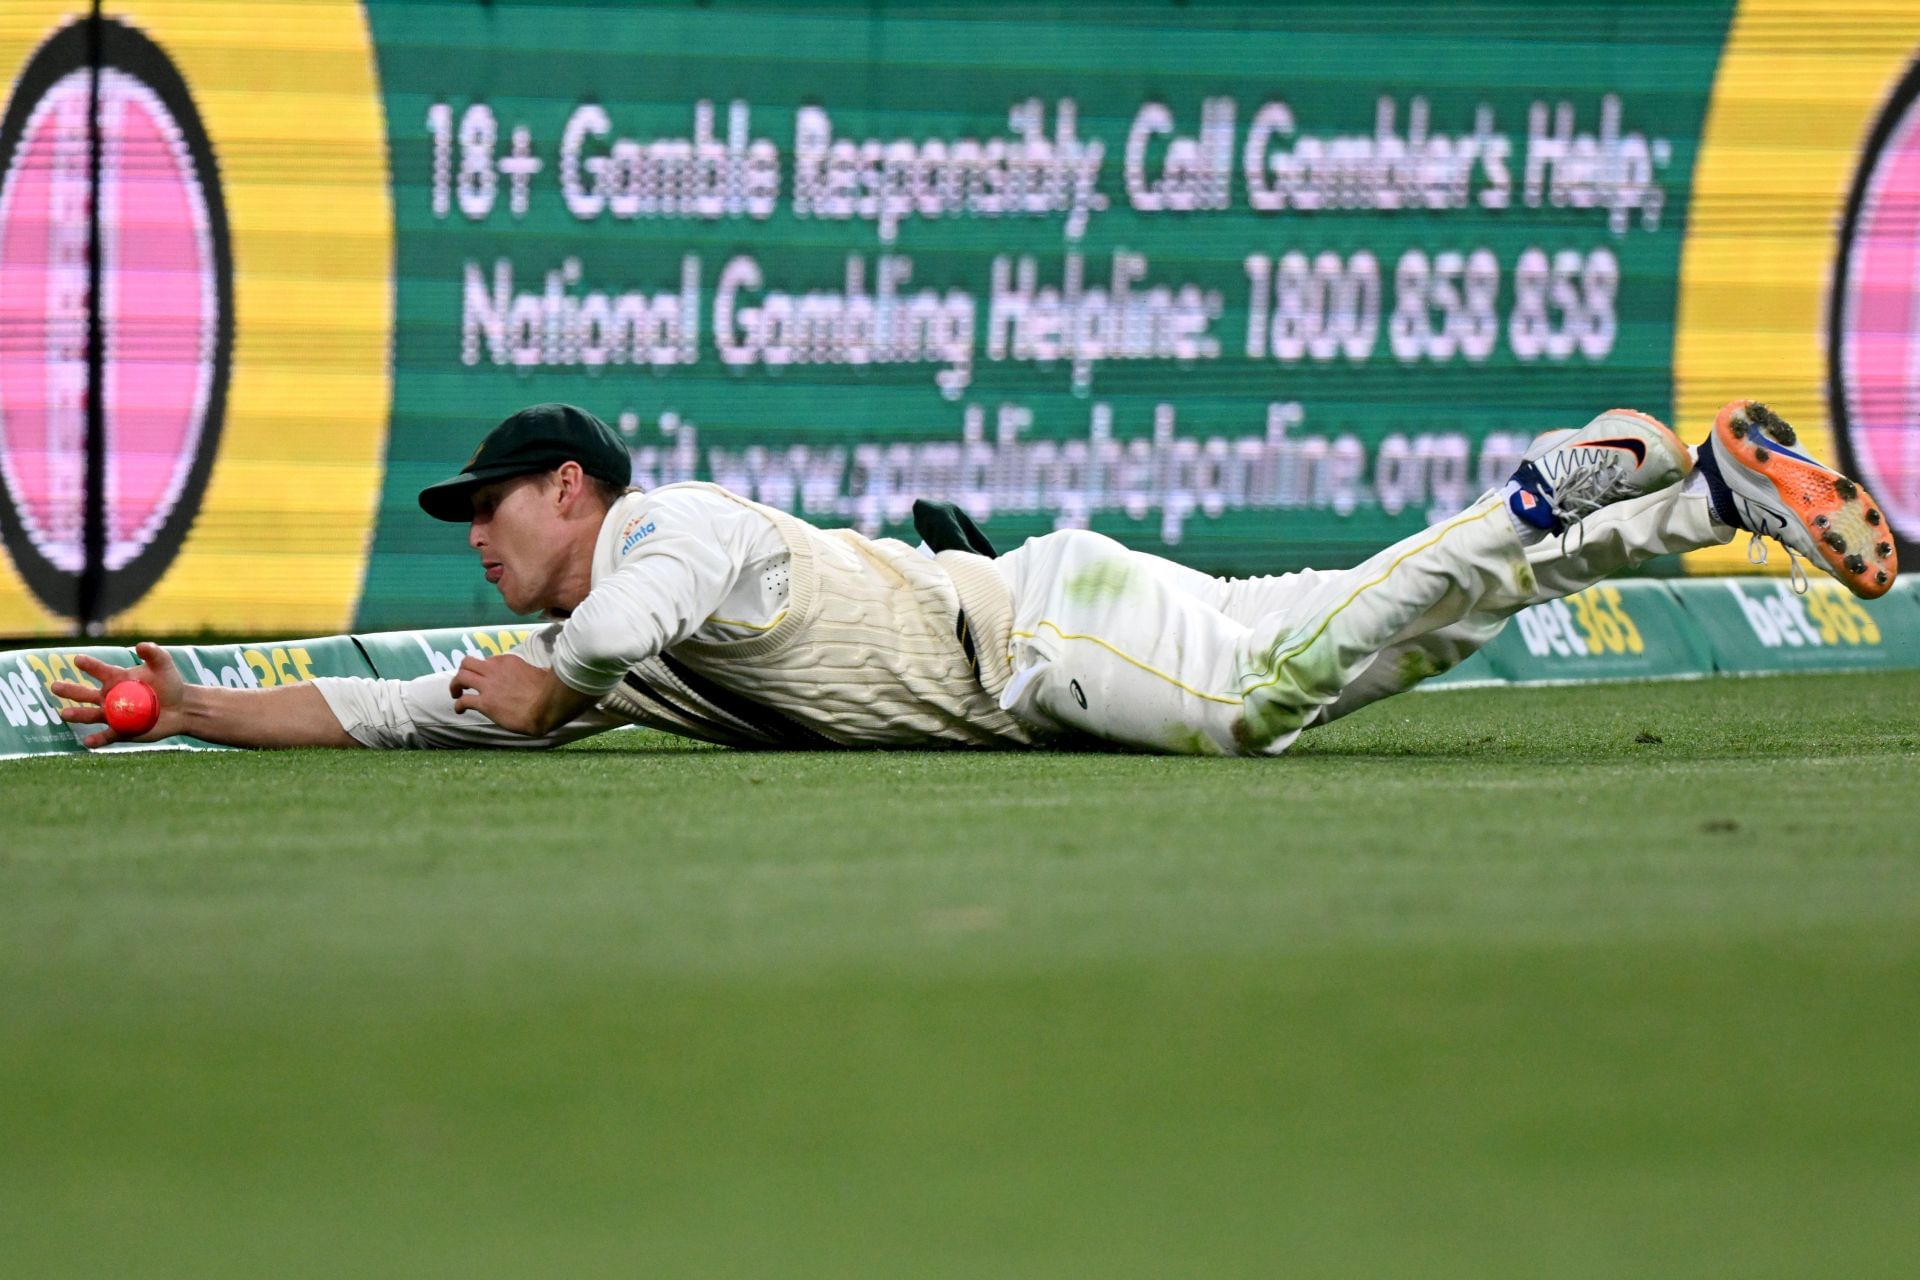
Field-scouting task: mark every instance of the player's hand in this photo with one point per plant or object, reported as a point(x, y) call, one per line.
point(156, 669)
point(515, 694)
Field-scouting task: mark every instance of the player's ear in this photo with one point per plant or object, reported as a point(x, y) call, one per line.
point(570, 485)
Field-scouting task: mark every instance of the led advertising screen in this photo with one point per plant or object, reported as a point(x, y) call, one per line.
point(1253, 286)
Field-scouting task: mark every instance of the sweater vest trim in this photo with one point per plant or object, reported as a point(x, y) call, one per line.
point(987, 606)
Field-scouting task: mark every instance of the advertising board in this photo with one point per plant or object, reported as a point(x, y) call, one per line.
point(1252, 286)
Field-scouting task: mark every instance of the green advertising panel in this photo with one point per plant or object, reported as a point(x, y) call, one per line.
point(1620, 631)
point(405, 655)
point(265, 666)
point(1257, 286)
point(1756, 626)
point(1631, 630)
point(30, 723)
point(268, 666)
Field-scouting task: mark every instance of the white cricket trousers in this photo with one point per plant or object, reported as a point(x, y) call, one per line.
point(1129, 648)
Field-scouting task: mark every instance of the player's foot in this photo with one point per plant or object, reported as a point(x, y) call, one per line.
point(1759, 482)
point(1568, 475)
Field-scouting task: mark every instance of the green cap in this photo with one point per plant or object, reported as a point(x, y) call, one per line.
point(538, 438)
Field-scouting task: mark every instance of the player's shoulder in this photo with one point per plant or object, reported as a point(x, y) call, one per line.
point(700, 490)
point(694, 497)
point(686, 509)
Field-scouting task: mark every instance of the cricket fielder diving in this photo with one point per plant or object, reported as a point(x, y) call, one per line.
point(692, 609)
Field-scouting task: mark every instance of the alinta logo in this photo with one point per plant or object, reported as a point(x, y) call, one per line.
point(1873, 318)
point(166, 310)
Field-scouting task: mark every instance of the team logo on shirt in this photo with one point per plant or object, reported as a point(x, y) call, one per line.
point(637, 528)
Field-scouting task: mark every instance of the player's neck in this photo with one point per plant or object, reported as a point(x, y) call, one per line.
point(576, 578)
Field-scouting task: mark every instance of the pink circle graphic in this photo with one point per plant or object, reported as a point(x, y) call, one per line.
point(165, 310)
point(1875, 349)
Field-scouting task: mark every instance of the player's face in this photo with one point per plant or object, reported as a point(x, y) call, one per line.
point(517, 530)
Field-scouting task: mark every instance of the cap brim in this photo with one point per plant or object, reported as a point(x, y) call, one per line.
point(452, 499)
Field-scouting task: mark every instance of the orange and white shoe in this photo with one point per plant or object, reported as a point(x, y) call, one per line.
point(1759, 482)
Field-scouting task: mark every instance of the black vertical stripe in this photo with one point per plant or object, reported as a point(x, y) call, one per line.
point(782, 731)
point(93, 569)
point(690, 717)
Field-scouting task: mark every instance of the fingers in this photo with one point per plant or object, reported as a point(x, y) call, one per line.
point(158, 660)
point(88, 710)
point(105, 672)
point(87, 697)
point(74, 692)
point(468, 683)
point(90, 715)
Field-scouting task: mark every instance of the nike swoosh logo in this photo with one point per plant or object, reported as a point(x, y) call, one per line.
point(1763, 519)
point(1558, 463)
point(1638, 448)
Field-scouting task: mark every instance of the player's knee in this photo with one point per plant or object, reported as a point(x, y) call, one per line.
point(1284, 694)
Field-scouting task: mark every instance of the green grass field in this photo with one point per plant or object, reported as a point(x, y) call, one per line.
point(1596, 982)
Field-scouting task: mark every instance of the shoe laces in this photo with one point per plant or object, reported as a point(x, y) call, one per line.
point(1757, 550)
point(1583, 493)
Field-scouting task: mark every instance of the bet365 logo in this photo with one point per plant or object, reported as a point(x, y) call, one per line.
point(1588, 624)
point(466, 644)
point(158, 244)
point(1826, 615)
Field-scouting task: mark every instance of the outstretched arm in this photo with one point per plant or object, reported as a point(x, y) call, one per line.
point(293, 715)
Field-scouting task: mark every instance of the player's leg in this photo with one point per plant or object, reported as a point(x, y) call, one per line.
point(1676, 519)
point(1126, 648)
point(1131, 649)
point(1149, 635)
point(1608, 540)
point(1748, 477)
point(1420, 607)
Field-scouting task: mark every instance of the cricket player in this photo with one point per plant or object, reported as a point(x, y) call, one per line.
point(695, 610)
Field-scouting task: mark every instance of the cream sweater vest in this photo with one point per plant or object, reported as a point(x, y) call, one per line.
point(871, 652)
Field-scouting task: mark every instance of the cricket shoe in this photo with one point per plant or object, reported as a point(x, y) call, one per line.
point(1569, 474)
point(1759, 482)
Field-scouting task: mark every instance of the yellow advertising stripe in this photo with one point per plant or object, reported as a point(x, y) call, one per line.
point(1799, 85)
point(284, 530)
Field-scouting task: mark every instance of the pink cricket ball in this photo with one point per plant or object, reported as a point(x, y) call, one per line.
point(132, 708)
